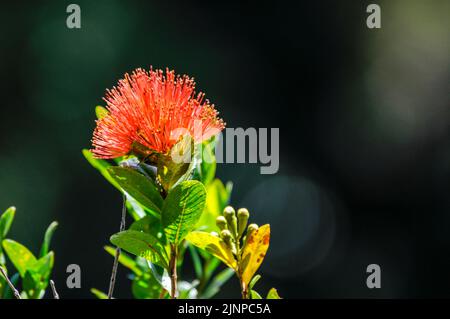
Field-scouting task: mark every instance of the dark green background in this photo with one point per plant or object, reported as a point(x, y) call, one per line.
point(363, 117)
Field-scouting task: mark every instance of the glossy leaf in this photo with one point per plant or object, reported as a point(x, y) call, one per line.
point(99, 294)
point(182, 210)
point(217, 198)
point(273, 294)
point(142, 189)
point(143, 245)
point(19, 255)
point(6, 220)
point(101, 112)
point(213, 245)
point(254, 294)
point(254, 281)
point(47, 239)
point(149, 224)
point(254, 252)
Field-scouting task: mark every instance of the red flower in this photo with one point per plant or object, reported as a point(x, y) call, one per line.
point(148, 108)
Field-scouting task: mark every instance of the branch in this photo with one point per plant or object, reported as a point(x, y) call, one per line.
point(16, 293)
point(112, 281)
point(55, 293)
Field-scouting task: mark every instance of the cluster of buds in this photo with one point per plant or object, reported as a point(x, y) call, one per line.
point(233, 228)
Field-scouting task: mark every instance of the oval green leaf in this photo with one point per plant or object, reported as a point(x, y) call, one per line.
point(182, 210)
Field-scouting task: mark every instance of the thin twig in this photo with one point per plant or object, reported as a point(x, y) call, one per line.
point(16, 293)
point(112, 282)
point(55, 293)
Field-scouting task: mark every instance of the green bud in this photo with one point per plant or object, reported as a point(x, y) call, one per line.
point(242, 216)
point(221, 222)
point(228, 239)
point(228, 212)
point(230, 216)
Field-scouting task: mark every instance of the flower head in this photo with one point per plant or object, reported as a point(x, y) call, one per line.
point(151, 108)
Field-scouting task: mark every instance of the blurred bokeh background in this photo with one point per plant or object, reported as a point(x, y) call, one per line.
point(364, 124)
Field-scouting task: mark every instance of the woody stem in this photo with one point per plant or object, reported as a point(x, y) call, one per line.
point(173, 270)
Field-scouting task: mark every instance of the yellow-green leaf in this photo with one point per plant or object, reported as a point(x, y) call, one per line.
point(6, 220)
point(214, 245)
point(99, 294)
point(273, 294)
point(254, 252)
point(101, 112)
point(19, 255)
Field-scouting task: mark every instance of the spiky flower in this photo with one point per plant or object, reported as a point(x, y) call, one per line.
point(149, 109)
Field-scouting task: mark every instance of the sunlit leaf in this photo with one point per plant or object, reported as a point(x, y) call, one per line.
point(182, 210)
point(19, 255)
point(214, 245)
point(99, 294)
point(101, 112)
point(6, 220)
point(143, 245)
point(273, 294)
point(47, 239)
point(254, 252)
point(217, 198)
point(254, 295)
point(254, 281)
point(141, 188)
point(149, 224)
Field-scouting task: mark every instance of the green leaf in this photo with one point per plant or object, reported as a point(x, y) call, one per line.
point(254, 281)
point(254, 295)
point(273, 294)
point(6, 220)
point(151, 225)
point(124, 260)
point(217, 282)
point(182, 210)
point(142, 189)
point(214, 245)
point(217, 198)
point(19, 255)
point(37, 276)
point(143, 245)
point(48, 238)
point(101, 112)
point(99, 294)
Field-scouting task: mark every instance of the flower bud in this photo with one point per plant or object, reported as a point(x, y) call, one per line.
point(228, 239)
point(215, 234)
point(221, 222)
point(230, 216)
point(242, 216)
